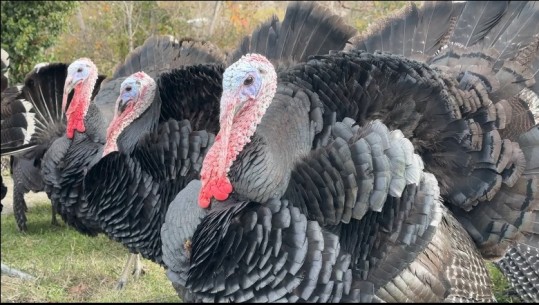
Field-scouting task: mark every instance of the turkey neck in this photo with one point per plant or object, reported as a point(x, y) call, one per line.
point(95, 124)
point(145, 123)
point(262, 169)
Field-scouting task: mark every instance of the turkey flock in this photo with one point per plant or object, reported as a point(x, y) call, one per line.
point(310, 164)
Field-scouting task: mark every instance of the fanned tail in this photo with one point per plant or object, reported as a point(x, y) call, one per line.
point(17, 121)
point(412, 32)
point(158, 54)
point(487, 55)
point(32, 113)
point(162, 53)
point(307, 29)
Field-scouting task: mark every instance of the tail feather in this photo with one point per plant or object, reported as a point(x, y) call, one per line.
point(479, 17)
point(157, 54)
point(307, 29)
point(160, 53)
point(411, 32)
point(519, 31)
point(17, 119)
point(39, 103)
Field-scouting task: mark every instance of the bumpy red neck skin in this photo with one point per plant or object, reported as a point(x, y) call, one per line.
point(79, 105)
point(118, 124)
point(236, 131)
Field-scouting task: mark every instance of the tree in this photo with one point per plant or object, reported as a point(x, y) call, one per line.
point(28, 29)
point(106, 31)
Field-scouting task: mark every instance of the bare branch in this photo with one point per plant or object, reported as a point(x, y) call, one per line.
point(16, 273)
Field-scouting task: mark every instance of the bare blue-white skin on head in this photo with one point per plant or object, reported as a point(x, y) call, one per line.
point(129, 91)
point(136, 95)
point(77, 72)
point(244, 80)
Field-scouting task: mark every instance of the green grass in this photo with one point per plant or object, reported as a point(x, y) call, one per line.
point(503, 291)
point(70, 267)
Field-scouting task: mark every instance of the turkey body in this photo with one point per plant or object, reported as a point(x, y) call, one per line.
point(311, 207)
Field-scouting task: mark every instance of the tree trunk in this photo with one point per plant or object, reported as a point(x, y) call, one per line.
point(214, 19)
point(128, 9)
point(80, 20)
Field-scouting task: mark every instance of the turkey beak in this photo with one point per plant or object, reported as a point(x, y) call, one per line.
point(122, 103)
point(68, 87)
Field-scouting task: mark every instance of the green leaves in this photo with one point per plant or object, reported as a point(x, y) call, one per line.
point(30, 27)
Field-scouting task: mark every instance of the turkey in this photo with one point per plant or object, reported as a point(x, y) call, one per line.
point(5, 69)
point(369, 176)
point(153, 149)
point(157, 54)
point(138, 130)
point(31, 121)
point(518, 264)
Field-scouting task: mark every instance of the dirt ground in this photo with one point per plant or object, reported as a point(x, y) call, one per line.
point(30, 197)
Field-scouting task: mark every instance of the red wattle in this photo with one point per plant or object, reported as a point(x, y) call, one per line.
point(77, 125)
point(219, 188)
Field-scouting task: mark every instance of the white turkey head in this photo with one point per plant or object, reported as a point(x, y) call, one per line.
point(136, 95)
point(81, 77)
point(249, 86)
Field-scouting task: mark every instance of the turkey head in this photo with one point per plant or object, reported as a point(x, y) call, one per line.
point(136, 95)
point(81, 77)
point(249, 86)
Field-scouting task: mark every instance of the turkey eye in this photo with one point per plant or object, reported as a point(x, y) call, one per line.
point(128, 89)
point(79, 70)
point(249, 80)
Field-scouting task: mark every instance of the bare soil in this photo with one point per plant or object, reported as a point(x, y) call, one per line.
point(30, 197)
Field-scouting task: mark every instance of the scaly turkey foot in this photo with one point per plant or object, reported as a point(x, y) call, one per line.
point(125, 273)
point(139, 268)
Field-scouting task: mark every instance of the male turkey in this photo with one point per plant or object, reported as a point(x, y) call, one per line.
point(308, 206)
point(127, 191)
point(152, 152)
point(31, 121)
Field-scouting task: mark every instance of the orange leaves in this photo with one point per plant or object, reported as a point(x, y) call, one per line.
point(239, 17)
